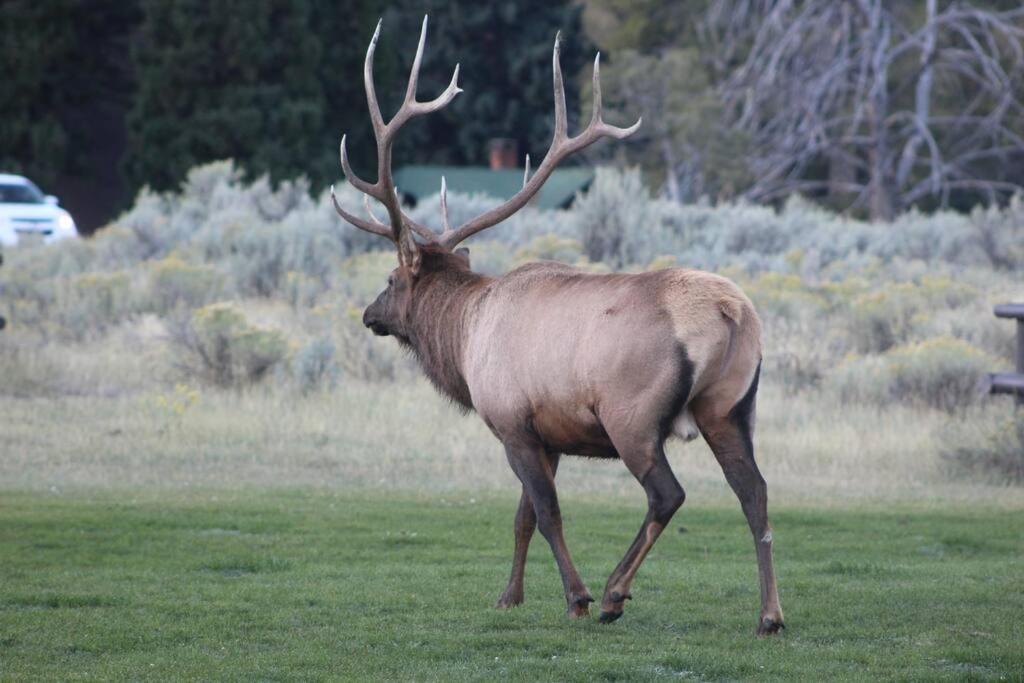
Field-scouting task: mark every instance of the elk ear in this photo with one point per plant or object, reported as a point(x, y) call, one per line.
point(409, 252)
point(463, 253)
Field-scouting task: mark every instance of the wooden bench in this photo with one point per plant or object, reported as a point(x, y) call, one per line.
point(1011, 382)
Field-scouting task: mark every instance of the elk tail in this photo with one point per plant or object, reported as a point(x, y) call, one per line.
point(732, 308)
point(732, 311)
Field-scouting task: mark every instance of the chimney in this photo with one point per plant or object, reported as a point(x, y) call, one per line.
point(503, 153)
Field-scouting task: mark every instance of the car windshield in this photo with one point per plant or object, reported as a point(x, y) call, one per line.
point(20, 194)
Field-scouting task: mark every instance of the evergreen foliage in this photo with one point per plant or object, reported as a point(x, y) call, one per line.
point(224, 79)
point(504, 50)
point(274, 84)
point(64, 77)
point(30, 126)
point(151, 88)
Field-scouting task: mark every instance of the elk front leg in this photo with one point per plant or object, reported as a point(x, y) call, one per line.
point(664, 496)
point(525, 523)
point(536, 470)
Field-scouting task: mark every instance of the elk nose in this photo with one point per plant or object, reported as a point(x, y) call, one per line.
point(376, 326)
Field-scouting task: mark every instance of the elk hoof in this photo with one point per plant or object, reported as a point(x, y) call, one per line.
point(508, 600)
point(769, 626)
point(611, 606)
point(578, 611)
point(579, 606)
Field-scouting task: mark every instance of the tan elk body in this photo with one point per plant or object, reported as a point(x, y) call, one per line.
point(558, 361)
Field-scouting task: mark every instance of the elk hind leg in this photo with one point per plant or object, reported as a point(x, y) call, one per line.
point(664, 497)
point(729, 433)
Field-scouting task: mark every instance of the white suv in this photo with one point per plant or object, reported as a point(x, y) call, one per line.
point(26, 213)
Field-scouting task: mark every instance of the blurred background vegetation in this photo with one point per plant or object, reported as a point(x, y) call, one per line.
point(215, 331)
point(852, 165)
point(103, 97)
point(869, 106)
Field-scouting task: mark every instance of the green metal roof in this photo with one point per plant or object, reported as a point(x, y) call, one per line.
point(557, 193)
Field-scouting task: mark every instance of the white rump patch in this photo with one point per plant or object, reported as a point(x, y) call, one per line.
point(685, 427)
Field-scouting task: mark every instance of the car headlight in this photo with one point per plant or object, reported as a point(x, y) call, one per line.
point(65, 223)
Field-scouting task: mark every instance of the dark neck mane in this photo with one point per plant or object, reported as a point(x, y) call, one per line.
point(437, 327)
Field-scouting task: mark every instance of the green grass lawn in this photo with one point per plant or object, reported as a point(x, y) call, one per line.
point(300, 586)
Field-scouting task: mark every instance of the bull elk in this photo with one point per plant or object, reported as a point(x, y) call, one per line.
point(558, 361)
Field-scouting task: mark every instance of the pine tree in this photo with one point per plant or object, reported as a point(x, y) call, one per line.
point(224, 79)
point(37, 40)
point(344, 33)
point(505, 54)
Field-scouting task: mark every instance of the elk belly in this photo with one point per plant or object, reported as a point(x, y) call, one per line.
point(685, 427)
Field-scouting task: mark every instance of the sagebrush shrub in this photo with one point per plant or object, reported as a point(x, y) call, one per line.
point(315, 366)
point(25, 371)
point(877, 321)
point(899, 312)
point(942, 373)
point(992, 447)
point(824, 284)
point(362, 277)
point(93, 302)
point(784, 296)
point(550, 248)
point(363, 356)
point(974, 324)
point(1000, 233)
point(27, 300)
point(220, 347)
point(175, 283)
point(617, 219)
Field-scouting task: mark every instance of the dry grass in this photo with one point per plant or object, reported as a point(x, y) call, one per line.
point(403, 436)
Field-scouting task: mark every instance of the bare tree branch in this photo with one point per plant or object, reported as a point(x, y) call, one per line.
point(916, 112)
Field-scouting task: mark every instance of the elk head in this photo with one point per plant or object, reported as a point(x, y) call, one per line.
point(389, 314)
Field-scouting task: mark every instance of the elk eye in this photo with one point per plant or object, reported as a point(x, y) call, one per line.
point(391, 280)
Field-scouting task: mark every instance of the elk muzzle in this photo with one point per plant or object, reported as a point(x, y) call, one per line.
point(373, 321)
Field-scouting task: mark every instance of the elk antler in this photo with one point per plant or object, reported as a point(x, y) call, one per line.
point(561, 146)
point(384, 189)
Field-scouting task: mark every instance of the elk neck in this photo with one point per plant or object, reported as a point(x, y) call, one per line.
point(439, 322)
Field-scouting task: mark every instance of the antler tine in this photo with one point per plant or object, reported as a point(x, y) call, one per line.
point(561, 125)
point(410, 107)
point(369, 212)
point(418, 228)
point(375, 228)
point(597, 128)
point(354, 180)
point(595, 115)
point(442, 100)
point(414, 75)
point(384, 189)
point(561, 146)
point(421, 230)
point(371, 93)
point(444, 206)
